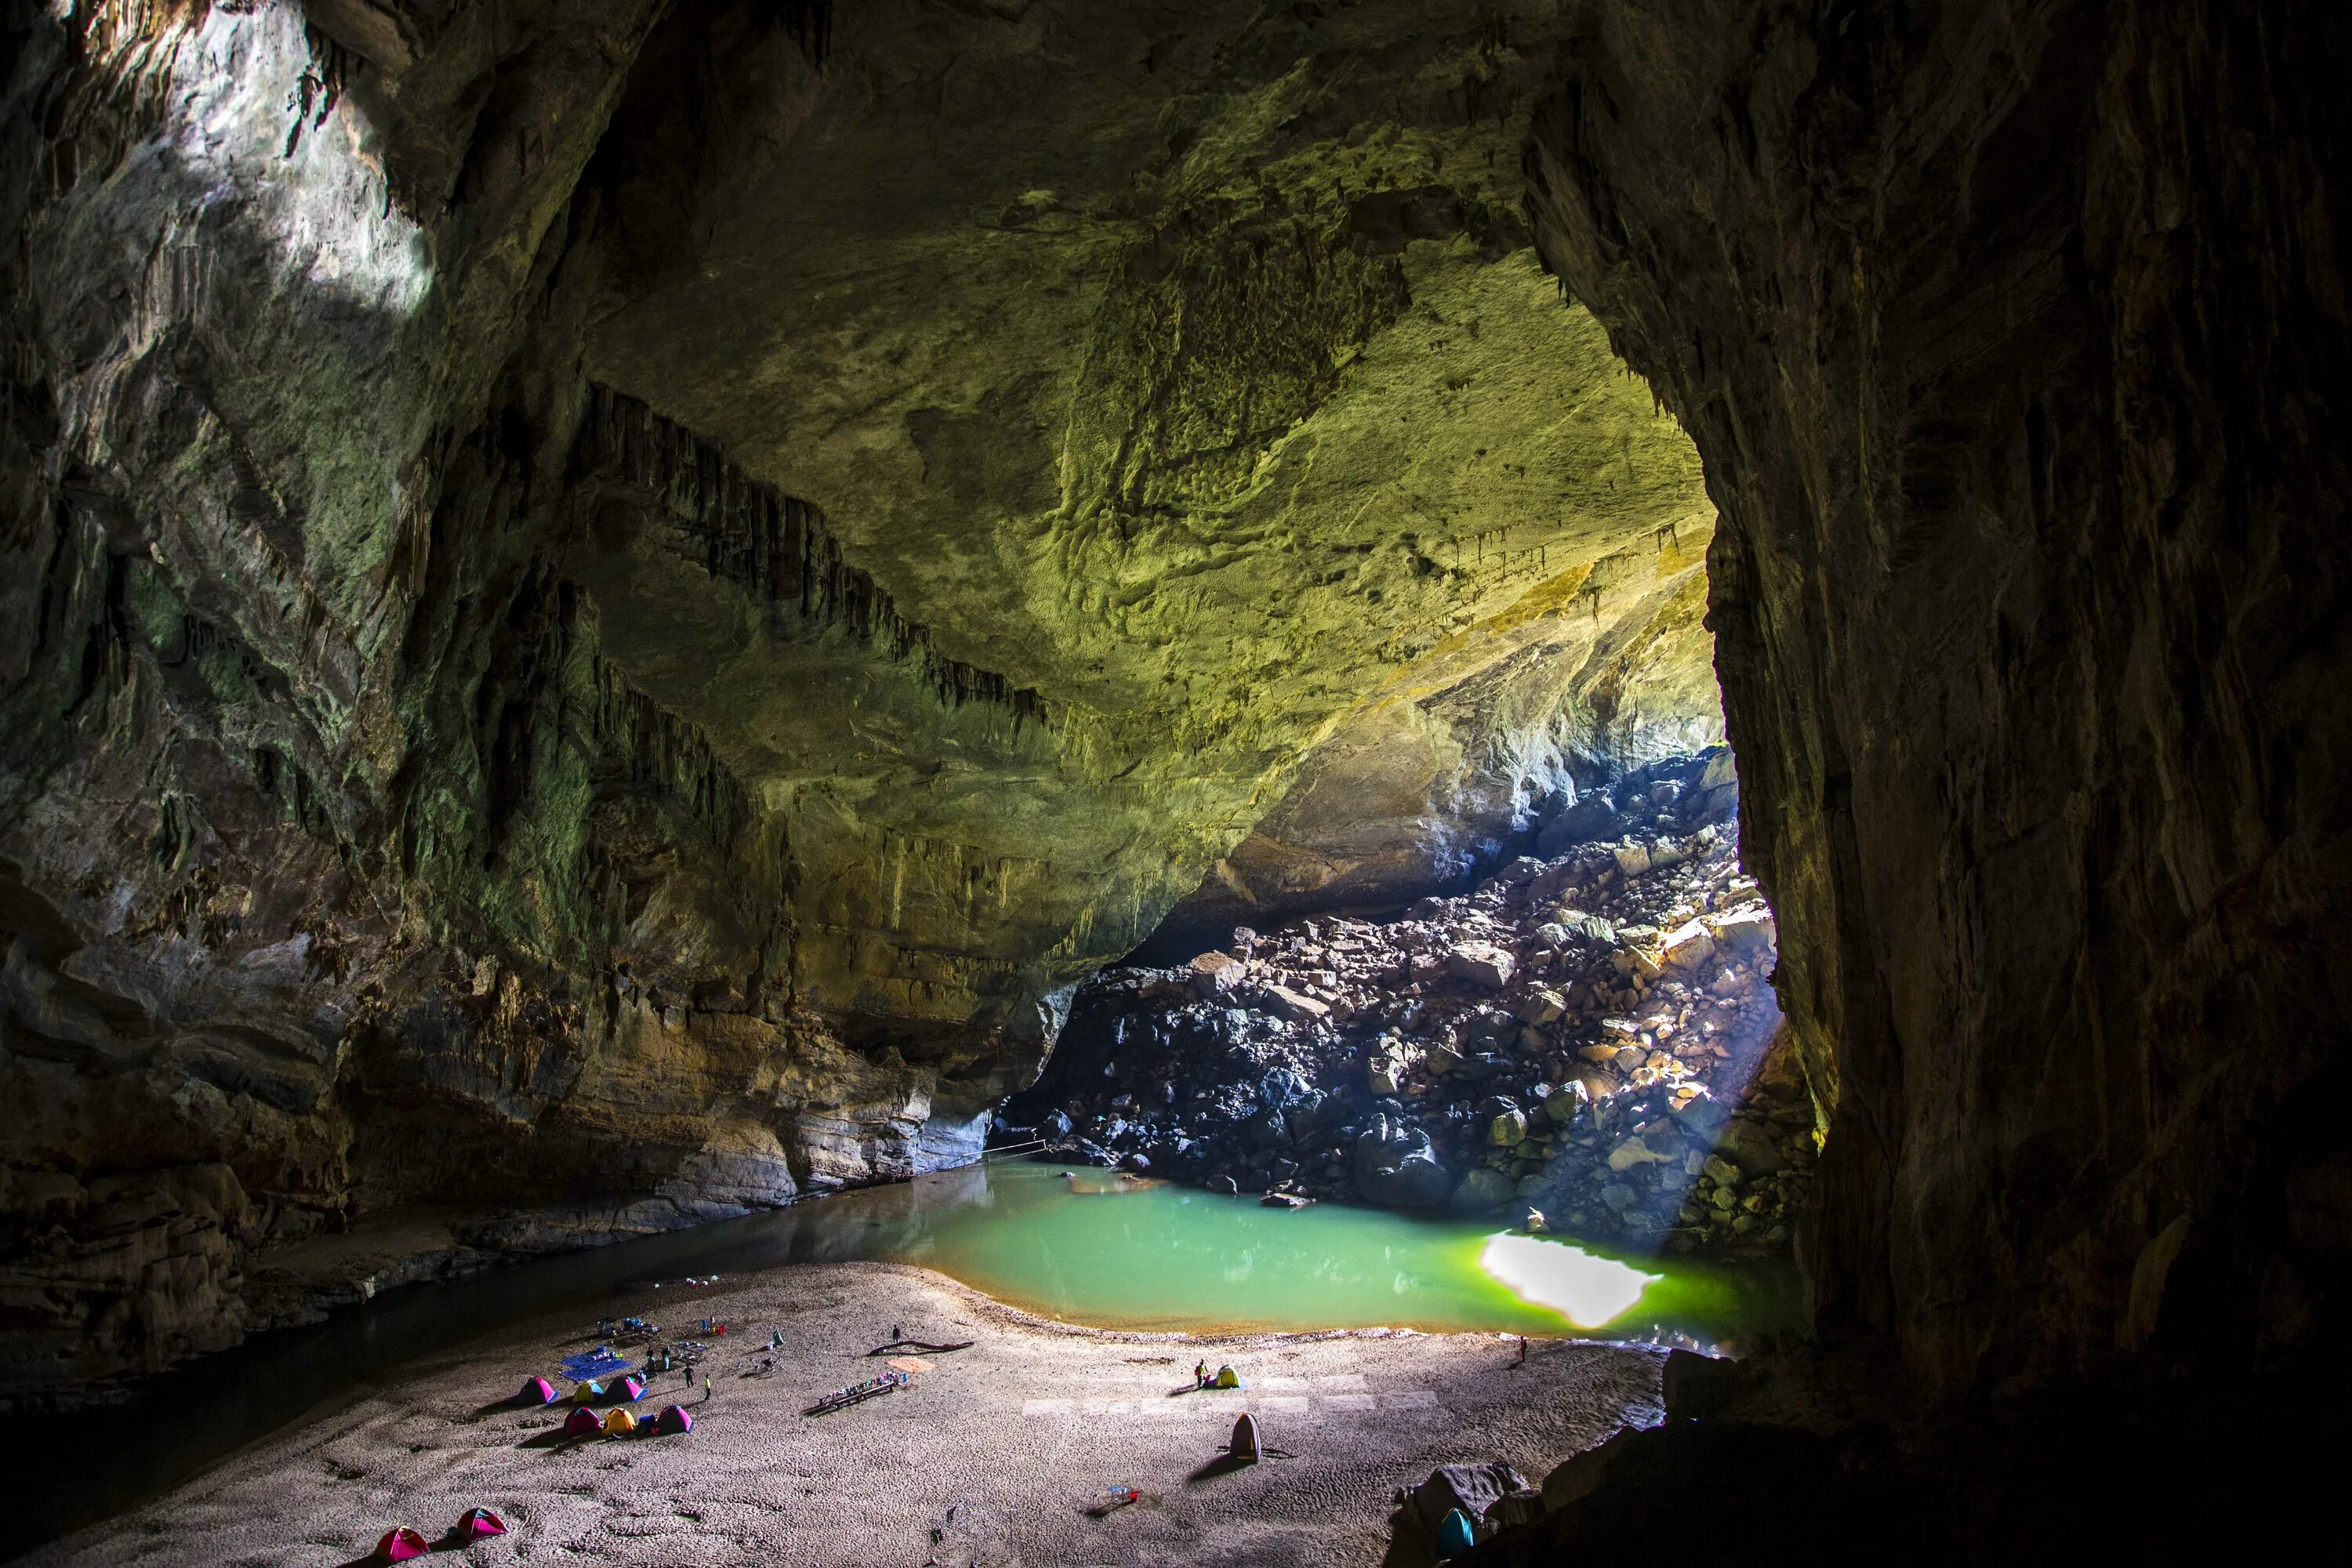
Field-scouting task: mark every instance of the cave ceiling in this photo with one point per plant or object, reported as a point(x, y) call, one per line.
point(1190, 371)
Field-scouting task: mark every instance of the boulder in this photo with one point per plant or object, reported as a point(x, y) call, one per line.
point(1750, 1148)
point(1592, 816)
point(1687, 948)
point(1541, 1005)
point(1634, 1151)
point(1747, 933)
point(1286, 1089)
point(1585, 924)
point(1396, 1167)
point(1482, 1190)
point(1214, 973)
point(1392, 1065)
point(1632, 860)
point(1296, 1007)
point(1267, 1129)
point(1703, 1115)
point(1507, 1128)
point(1473, 1489)
point(1481, 963)
point(1522, 1507)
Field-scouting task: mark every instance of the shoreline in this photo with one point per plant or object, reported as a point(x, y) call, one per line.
point(1002, 1432)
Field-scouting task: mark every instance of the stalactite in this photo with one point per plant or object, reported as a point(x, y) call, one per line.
point(773, 544)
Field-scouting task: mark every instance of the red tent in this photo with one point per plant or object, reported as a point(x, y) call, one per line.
point(478, 1522)
point(400, 1543)
point(583, 1423)
point(674, 1419)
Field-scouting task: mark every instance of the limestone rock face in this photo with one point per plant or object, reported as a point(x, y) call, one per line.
point(603, 606)
point(2009, 356)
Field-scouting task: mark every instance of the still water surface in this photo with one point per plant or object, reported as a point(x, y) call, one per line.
point(1083, 1247)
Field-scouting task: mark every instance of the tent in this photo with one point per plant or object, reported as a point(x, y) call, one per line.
point(632, 1389)
point(1245, 1445)
point(619, 1423)
point(400, 1543)
point(1454, 1534)
point(536, 1391)
point(674, 1419)
point(1228, 1378)
point(582, 1423)
point(477, 1523)
point(589, 1393)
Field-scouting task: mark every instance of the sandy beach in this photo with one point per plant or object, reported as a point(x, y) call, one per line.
point(1002, 1455)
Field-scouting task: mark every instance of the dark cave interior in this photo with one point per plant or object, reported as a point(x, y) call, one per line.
point(615, 613)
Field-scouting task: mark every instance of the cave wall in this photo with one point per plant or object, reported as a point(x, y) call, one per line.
point(2008, 335)
point(341, 871)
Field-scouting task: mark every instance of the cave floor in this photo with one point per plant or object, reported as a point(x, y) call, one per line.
point(1020, 1435)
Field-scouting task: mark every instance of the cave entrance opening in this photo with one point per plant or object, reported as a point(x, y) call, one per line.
point(1577, 1038)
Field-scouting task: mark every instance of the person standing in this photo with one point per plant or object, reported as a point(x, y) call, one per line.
point(706, 1388)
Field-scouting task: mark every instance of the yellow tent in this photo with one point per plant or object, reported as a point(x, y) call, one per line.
point(619, 1423)
point(1227, 1378)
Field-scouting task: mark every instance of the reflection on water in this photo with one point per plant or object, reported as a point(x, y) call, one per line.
point(1588, 1289)
point(1081, 1245)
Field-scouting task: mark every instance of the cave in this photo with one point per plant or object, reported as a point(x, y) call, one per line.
point(776, 649)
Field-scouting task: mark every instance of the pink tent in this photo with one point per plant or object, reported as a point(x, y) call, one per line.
point(633, 1389)
point(674, 1419)
point(478, 1522)
point(582, 1423)
point(537, 1391)
point(401, 1543)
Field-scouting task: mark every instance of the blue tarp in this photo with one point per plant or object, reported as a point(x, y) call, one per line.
point(599, 1363)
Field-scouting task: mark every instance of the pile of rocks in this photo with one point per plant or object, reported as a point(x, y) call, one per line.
point(1587, 1040)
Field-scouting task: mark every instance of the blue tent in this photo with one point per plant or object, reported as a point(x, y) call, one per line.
point(1455, 1536)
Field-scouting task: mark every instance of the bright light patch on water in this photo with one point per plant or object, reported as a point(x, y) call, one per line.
point(1588, 1290)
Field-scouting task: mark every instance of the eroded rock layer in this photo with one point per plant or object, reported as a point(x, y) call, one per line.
point(604, 605)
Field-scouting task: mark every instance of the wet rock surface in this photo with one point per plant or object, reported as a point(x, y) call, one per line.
point(1588, 1043)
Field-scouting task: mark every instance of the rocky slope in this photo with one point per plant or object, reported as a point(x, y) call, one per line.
point(604, 605)
point(1586, 1043)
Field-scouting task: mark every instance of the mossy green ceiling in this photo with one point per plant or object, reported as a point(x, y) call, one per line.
point(1190, 368)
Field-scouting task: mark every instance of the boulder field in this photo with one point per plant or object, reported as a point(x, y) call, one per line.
point(1586, 1044)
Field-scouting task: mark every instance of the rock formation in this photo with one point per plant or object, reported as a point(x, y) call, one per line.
point(1586, 1044)
point(2005, 348)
